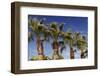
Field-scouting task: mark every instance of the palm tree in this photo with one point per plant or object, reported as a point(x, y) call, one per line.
point(82, 45)
point(37, 31)
point(68, 39)
point(55, 32)
point(70, 43)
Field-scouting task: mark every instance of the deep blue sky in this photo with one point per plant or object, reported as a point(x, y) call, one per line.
point(75, 23)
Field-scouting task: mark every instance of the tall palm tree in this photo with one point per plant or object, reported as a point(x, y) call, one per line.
point(70, 43)
point(55, 32)
point(82, 45)
point(68, 39)
point(37, 31)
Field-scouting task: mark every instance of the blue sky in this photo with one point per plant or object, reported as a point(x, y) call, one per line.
point(75, 23)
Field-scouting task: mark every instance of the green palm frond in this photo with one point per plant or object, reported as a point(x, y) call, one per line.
point(54, 25)
point(82, 43)
point(30, 36)
point(46, 35)
point(54, 29)
point(61, 26)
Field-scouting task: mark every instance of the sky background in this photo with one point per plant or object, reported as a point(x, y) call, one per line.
point(77, 24)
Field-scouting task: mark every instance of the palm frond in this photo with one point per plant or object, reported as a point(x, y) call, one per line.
point(61, 26)
point(30, 36)
point(62, 45)
point(54, 25)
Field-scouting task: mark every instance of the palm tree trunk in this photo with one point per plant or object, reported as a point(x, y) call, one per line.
point(40, 49)
point(82, 54)
point(56, 55)
point(71, 53)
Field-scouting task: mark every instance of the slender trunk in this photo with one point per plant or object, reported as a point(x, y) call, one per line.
point(71, 53)
point(40, 49)
point(56, 55)
point(82, 53)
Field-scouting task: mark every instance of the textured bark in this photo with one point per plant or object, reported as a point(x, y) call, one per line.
point(82, 53)
point(40, 49)
point(71, 53)
point(56, 55)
